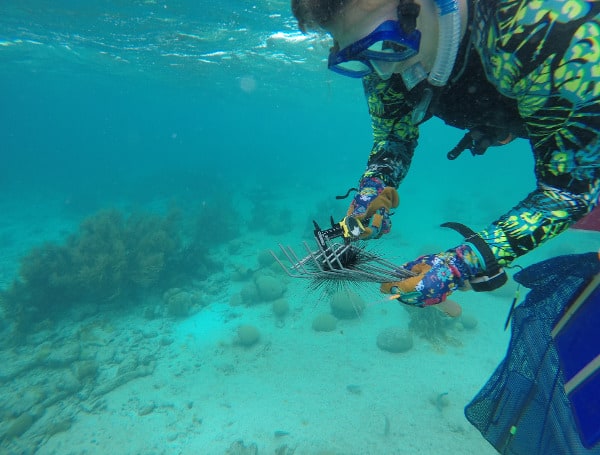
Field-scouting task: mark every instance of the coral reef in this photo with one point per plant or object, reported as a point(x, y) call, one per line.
point(275, 221)
point(217, 221)
point(265, 258)
point(265, 286)
point(111, 257)
point(249, 294)
point(468, 321)
point(346, 304)
point(239, 448)
point(324, 322)
point(395, 339)
point(180, 302)
point(269, 288)
point(247, 335)
point(49, 381)
point(280, 307)
point(433, 325)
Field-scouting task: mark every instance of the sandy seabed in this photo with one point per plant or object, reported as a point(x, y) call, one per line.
point(296, 390)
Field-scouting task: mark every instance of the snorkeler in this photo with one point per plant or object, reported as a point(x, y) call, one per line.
point(497, 69)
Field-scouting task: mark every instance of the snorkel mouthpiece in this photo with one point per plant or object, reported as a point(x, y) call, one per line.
point(447, 49)
point(448, 41)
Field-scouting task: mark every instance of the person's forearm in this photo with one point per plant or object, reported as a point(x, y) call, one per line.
point(390, 161)
point(394, 134)
point(542, 215)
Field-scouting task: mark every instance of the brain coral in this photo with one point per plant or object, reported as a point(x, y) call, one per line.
point(346, 304)
point(247, 335)
point(269, 287)
point(395, 339)
point(324, 322)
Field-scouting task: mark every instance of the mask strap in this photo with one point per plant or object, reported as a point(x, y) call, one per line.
point(408, 11)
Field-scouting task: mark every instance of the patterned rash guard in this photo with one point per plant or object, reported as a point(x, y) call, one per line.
point(530, 68)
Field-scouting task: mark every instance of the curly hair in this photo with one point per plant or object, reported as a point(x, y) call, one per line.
point(313, 14)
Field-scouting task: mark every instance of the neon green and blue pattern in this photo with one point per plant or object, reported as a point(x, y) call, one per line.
point(546, 56)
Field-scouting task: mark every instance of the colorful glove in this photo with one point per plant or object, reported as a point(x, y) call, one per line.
point(372, 205)
point(437, 276)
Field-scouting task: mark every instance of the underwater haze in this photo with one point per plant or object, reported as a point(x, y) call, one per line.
point(152, 153)
point(115, 91)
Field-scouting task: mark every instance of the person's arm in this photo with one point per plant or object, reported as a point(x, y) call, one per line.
point(394, 142)
point(551, 72)
point(394, 134)
point(547, 60)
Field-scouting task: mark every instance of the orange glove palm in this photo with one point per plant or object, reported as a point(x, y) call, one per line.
point(436, 276)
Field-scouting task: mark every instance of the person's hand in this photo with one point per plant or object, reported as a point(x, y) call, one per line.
point(436, 276)
point(372, 205)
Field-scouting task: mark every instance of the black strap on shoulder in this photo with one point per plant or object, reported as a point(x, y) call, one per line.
point(408, 11)
point(494, 275)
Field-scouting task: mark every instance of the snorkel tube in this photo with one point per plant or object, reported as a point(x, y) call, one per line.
point(447, 49)
point(448, 41)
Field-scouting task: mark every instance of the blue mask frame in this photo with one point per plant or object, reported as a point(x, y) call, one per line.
point(397, 46)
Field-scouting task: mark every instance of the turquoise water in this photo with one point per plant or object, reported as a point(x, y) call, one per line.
point(225, 111)
point(183, 86)
point(111, 98)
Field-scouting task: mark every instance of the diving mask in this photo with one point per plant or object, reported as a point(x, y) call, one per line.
point(388, 43)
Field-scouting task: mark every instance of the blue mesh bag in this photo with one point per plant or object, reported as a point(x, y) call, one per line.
point(524, 408)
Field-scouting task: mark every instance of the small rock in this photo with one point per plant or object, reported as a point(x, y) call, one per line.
point(354, 389)
point(18, 426)
point(166, 341)
point(346, 304)
point(269, 288)
point(468, 321)
point(281, 307)
point(324, 323)
point(85, 369)
point(395, 339)
point(238, 448)
point(146, 409)
point(59, 426)
point(247, 335)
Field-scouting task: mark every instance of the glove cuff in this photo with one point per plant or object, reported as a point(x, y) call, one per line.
point(468, 261)
point(474, 268)
point(478, 255)
point(490, 275)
